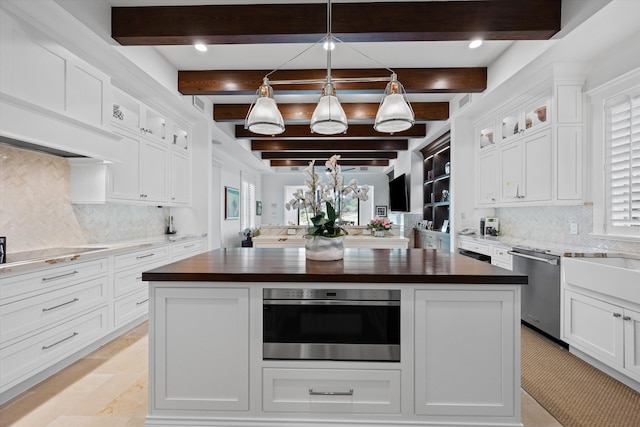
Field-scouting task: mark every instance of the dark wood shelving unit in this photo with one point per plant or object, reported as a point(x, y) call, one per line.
point(436, 184)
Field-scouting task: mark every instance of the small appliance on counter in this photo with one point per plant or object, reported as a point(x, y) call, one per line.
point(491, 226)
point(170, 227)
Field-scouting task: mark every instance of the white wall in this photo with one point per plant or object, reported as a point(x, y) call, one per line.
point(273, 184)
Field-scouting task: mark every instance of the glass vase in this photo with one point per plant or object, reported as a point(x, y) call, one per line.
point(378, 233)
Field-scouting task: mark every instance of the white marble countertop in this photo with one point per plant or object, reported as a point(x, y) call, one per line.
point(42, 257)
point(558, 249)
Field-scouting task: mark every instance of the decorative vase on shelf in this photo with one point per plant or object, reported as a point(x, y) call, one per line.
point(378, 233)
point(320, 248)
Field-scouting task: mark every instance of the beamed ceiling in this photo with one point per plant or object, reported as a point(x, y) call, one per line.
point(358, 22)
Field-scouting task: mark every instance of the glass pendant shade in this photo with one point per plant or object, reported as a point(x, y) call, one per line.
point(329, 118)
point(265, 118)
point(395, 113)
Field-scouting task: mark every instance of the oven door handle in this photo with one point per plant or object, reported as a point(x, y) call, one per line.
point(535, 258)
point(328, 302)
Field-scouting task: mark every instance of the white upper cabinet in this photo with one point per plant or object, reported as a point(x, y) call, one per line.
point(49, 96)
point(527, 117)
point(487, 177)
point(538, 144)
point(131, 114)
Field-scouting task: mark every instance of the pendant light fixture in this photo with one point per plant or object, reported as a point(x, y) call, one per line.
point(265, 118)
point(394, 114)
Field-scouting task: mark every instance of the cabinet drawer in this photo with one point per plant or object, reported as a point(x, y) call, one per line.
point(128, 281)
point(331, 391)
point(130, 307)
point(27, 357)
point(26, 316)
point(480, 248)
point(49, 279)
point(156, 254)
point(500, 257)
point(186, 249)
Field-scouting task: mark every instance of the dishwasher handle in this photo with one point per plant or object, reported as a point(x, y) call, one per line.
point(535, 258)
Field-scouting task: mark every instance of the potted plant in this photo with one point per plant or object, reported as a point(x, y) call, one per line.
point(325, 236)
point(379, 226)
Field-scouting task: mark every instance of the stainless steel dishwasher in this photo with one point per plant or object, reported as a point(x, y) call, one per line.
point(540, 303)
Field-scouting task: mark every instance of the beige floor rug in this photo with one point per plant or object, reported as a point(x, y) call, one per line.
point(574, 392)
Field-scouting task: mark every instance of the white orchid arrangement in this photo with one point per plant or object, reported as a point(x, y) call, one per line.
point(332, 194)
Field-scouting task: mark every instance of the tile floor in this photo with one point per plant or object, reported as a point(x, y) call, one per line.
point(108, 388)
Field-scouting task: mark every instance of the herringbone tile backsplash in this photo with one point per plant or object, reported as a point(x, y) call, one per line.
point(36, 213)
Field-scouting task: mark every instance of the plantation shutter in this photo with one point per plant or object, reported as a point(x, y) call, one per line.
point(623, 155)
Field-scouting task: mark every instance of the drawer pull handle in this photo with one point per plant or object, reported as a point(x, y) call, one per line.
point(142, 302)
point(60, 305)
point(189, 246)
point(626, 317)
point(144, 256)
point(331, 393)
point(46, 279)
point(617, 315)
point(45, 347)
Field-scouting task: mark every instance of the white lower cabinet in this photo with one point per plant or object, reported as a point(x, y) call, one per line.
point(331, 391)
point(27, 357)
point(500, 257)
point(130, 292)
point(465, 357)
point(200, 338)
point(459, 364)
point(608, 332)
point(185, 249)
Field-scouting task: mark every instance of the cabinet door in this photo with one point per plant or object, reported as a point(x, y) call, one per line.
point(537, 167)
point(594, 326)
point(124, 179)
point(467, 352)
point(180, 179)
point(632, 342)
point(154, 171)
point(200, 339)
point(511, 172)
point(569, 162)
point(487, 178)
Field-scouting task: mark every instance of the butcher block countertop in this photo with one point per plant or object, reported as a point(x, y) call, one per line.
point(358, 266)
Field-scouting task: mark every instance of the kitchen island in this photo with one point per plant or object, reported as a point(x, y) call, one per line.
point(459, 361)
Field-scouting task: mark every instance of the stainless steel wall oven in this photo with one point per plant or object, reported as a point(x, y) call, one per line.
point(331, 324)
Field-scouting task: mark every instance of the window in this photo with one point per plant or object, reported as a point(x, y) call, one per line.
point(352, 210)
point(622, 168)
point(247, 202)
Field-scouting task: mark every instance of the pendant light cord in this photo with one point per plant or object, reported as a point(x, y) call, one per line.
point(329, 37)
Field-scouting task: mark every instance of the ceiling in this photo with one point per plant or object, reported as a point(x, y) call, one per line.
point(424, 42)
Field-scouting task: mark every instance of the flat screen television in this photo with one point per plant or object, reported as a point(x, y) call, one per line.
point(398, 194)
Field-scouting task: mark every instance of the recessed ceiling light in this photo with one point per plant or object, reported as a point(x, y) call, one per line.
point(200, 47)
point(475, 43)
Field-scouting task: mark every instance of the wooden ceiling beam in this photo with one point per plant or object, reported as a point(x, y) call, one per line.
point(329, 144)
point(424, 111)
point(414, 80)
point(290, 162)
point(322, 155)
point(351, 22)
point(418, 130)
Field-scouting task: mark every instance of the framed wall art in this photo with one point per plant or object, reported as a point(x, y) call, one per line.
point(381, 211)
point(258, 208)
point(231, 203)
